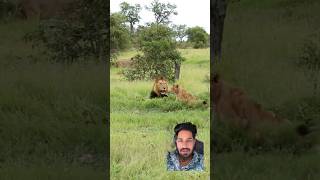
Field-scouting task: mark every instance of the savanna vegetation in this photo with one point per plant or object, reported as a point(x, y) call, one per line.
point(52, 111)
point(142, 128)
point(53, 104)
point(270, 49)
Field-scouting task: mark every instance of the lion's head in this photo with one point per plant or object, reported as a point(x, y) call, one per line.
point(160, 86)
point(175, 89)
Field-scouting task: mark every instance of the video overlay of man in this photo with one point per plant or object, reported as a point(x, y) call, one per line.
point(188, 155)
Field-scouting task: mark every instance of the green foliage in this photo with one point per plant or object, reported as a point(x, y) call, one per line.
point(198, 36)
point(310, 60)
point(6, 8)
point(78, 33)
point(302, 111)
point(283, 138)
point(180, 31)
point(119, 33)
point(162, 11)
point(159, 54)
point(131, 13)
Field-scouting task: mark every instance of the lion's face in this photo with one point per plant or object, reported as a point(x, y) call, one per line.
point(175, 89)
point(161, 86)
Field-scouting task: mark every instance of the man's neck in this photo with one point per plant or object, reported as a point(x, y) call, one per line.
point(185, 161)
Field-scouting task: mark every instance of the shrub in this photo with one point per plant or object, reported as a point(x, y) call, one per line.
point(159, 57)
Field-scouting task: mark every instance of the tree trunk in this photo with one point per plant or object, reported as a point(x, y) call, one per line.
point(131, 28)
point(177, 70)
point(218, 13)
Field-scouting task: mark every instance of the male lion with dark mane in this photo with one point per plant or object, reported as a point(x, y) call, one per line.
point(160, 88)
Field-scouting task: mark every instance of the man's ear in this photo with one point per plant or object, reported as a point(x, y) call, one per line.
point(175, 140)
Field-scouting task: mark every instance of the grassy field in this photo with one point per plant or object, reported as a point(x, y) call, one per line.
point(52, 116)
point(142, 129)
point(262, 41)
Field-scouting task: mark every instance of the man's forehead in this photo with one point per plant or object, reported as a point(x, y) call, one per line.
point(185, 134)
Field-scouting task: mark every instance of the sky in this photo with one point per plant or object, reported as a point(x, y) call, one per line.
point(192, 13)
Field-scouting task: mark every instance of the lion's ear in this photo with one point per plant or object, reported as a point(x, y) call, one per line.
point(161, 78)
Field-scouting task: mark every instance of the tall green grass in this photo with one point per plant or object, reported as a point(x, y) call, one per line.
point(52, 116)
point(262, 41)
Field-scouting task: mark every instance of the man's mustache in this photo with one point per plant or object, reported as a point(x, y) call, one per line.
point(185, 149)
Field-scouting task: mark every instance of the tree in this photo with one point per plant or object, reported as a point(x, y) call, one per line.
point(162, 11)
point(160, 56)
point(119, 33)
point(198, 37)
point(180, 31)
point(131, 13)
point(218, 14)
point(79, 32)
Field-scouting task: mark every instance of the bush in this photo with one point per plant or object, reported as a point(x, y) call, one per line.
point(159, 54)
point(78, 33)
point(198, 37)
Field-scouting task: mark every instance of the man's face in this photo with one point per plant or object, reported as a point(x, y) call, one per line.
point(185, 143)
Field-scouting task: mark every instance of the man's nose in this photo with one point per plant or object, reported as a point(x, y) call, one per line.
point(184, 145)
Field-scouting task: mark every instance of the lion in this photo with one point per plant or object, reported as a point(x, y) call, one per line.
point(233, 105)
point(160, 88)
point(183, 95)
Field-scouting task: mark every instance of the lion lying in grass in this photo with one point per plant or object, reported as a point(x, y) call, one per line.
point(184, 96)
point(233, 105)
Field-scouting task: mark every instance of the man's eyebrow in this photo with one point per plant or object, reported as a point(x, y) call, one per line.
point(187, 138)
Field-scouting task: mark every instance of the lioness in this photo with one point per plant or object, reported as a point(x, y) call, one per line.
point(182, 94)
point(234, 106)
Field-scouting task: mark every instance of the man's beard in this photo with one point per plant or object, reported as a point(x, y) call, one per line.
point(183, 156)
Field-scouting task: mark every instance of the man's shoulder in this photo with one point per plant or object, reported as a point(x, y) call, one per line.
point(198, 162)
point(172, 161)
point(171, 154)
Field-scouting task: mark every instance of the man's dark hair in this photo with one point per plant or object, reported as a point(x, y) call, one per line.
point(185, 126)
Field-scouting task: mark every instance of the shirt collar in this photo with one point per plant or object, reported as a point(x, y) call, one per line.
point(191, 163)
